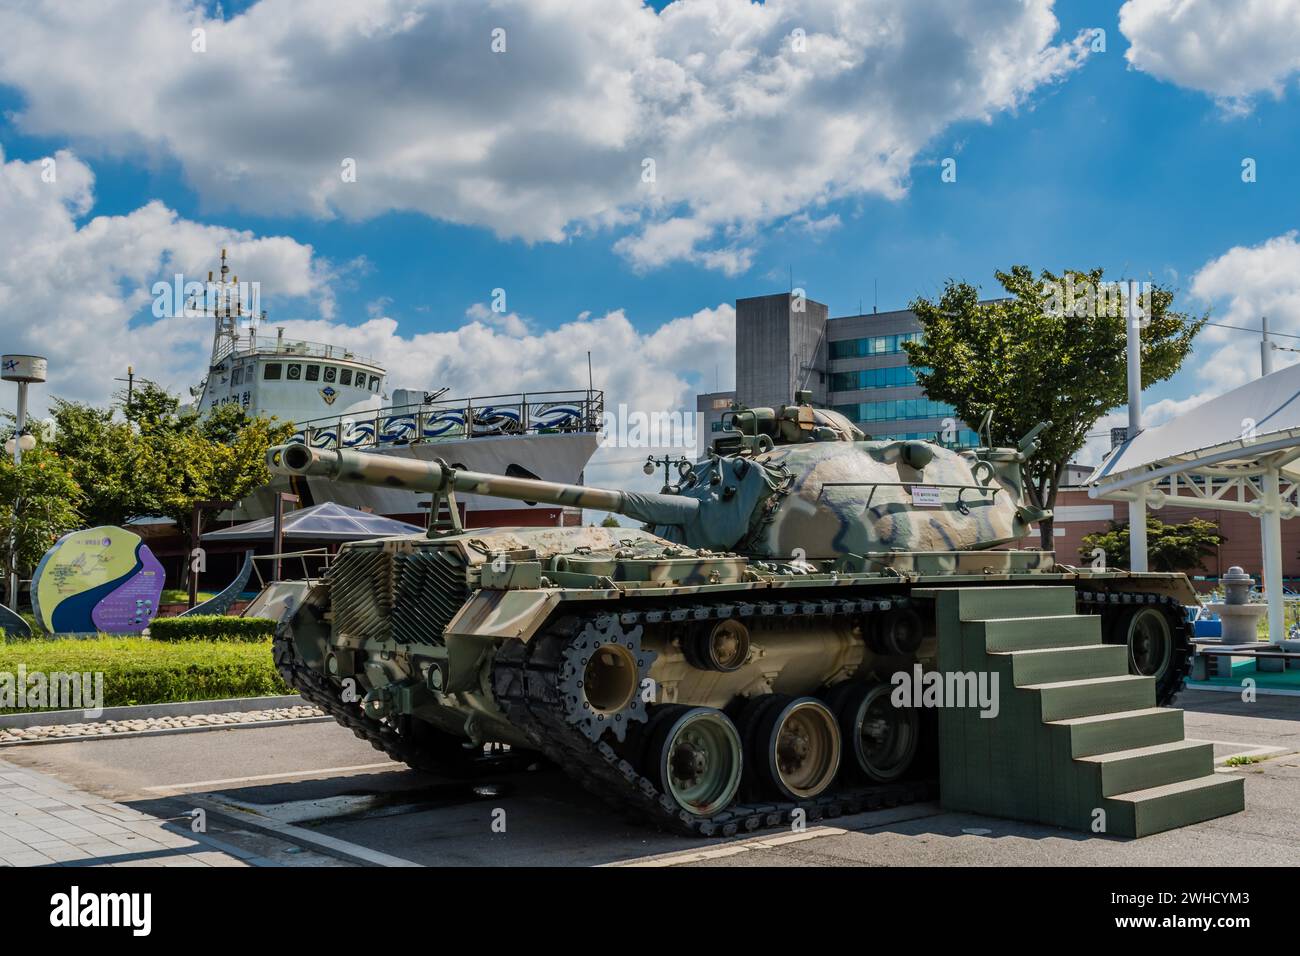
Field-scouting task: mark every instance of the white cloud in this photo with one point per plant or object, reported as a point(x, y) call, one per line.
point(76, 293)
point(659, 370)
point(1230, 49)
point(511, 323)
point(69, 291)
point(1243, 285)
point(546, 140)
point(1239, 287)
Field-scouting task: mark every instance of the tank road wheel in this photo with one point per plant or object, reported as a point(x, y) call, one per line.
point(794, 743)
point(723, 647)
point(881, 739)
point(901, 632)
point(1156, 647)
point(693, 754)
point(601, 677)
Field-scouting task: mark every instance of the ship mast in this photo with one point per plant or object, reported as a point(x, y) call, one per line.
point(223, 300)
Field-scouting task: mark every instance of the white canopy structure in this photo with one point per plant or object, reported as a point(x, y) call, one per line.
point(1237, 452)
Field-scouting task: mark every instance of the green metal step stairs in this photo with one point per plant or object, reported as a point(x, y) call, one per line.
point(1075, 733)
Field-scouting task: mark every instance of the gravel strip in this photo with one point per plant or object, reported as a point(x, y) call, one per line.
point(108, 728)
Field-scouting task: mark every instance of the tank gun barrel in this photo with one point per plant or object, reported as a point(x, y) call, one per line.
point(436, 477)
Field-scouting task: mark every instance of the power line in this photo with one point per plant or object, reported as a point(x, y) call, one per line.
point(1242, 328)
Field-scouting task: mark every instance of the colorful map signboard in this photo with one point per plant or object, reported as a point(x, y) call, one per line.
point(101, 579)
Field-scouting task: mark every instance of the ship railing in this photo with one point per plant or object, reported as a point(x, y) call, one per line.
point(456, 419)
point(290, 349)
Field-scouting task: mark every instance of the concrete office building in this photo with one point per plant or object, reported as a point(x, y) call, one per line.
point(854, 364)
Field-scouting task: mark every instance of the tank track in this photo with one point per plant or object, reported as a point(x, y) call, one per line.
point(1100, 602)
point(527, 681)
point(321, 692)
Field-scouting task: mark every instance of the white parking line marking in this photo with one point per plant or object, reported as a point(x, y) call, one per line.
point(252, 816)
point(731, 849)
point(208, 784)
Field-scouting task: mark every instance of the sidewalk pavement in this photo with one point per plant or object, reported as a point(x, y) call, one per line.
point(44, 822)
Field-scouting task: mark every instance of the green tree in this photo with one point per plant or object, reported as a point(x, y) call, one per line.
point(1027, 360)
point(609, 522)
point(38, 505)
point(189, 460)
point(151, 407)
point(105, 458)
point(1170, 547)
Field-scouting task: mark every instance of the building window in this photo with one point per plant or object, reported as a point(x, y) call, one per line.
point(345, 376)
point(293, 372)
point(891, 376)
point(313, 373)
point(272, 372)
point(872, 345)
point(331, 373)
point(895, 410)
point(237, 376)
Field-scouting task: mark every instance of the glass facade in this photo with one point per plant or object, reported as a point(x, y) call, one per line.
point(890, 377)
point(896, 409)
point(872, 345)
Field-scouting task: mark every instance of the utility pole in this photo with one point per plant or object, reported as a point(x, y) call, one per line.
point(1265, 348)
point(130, 389)
point(1270, 522)
point(1137, 508)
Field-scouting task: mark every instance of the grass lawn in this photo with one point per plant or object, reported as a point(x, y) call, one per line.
point(139, 671)
point(182, 596)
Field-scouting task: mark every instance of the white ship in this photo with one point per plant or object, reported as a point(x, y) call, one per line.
point(335, 398)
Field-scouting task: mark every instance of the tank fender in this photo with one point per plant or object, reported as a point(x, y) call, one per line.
point(486, 617)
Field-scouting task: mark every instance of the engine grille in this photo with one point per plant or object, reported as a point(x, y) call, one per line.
point(410, 597)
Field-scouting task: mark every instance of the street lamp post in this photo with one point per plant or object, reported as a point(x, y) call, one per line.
point(25, 370)
point(668, 463)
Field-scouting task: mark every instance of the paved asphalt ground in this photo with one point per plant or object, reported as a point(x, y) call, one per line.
point(312, 794)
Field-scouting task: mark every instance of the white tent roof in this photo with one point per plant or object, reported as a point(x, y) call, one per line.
point(324, 522)
point(1228, 434)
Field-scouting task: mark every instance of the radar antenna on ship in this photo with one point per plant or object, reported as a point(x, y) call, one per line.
point(223, 300)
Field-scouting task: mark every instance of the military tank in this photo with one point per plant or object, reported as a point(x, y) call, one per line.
point(723, 667)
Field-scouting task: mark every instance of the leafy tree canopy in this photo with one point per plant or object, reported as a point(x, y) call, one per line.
point(47, 497)
point(1170, 547)
point(160, 461)
point(1036, 356)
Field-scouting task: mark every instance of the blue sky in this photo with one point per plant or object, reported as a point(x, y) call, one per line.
point(1106, 165)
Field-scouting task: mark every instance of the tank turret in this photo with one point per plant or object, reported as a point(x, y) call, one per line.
point(795, 487)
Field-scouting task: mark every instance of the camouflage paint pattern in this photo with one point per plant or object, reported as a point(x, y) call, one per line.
point(803, 509)
point(856, 497)
point(815, 499)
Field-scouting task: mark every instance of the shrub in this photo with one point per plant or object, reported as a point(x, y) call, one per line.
point(211, 627)
point(140, 671)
